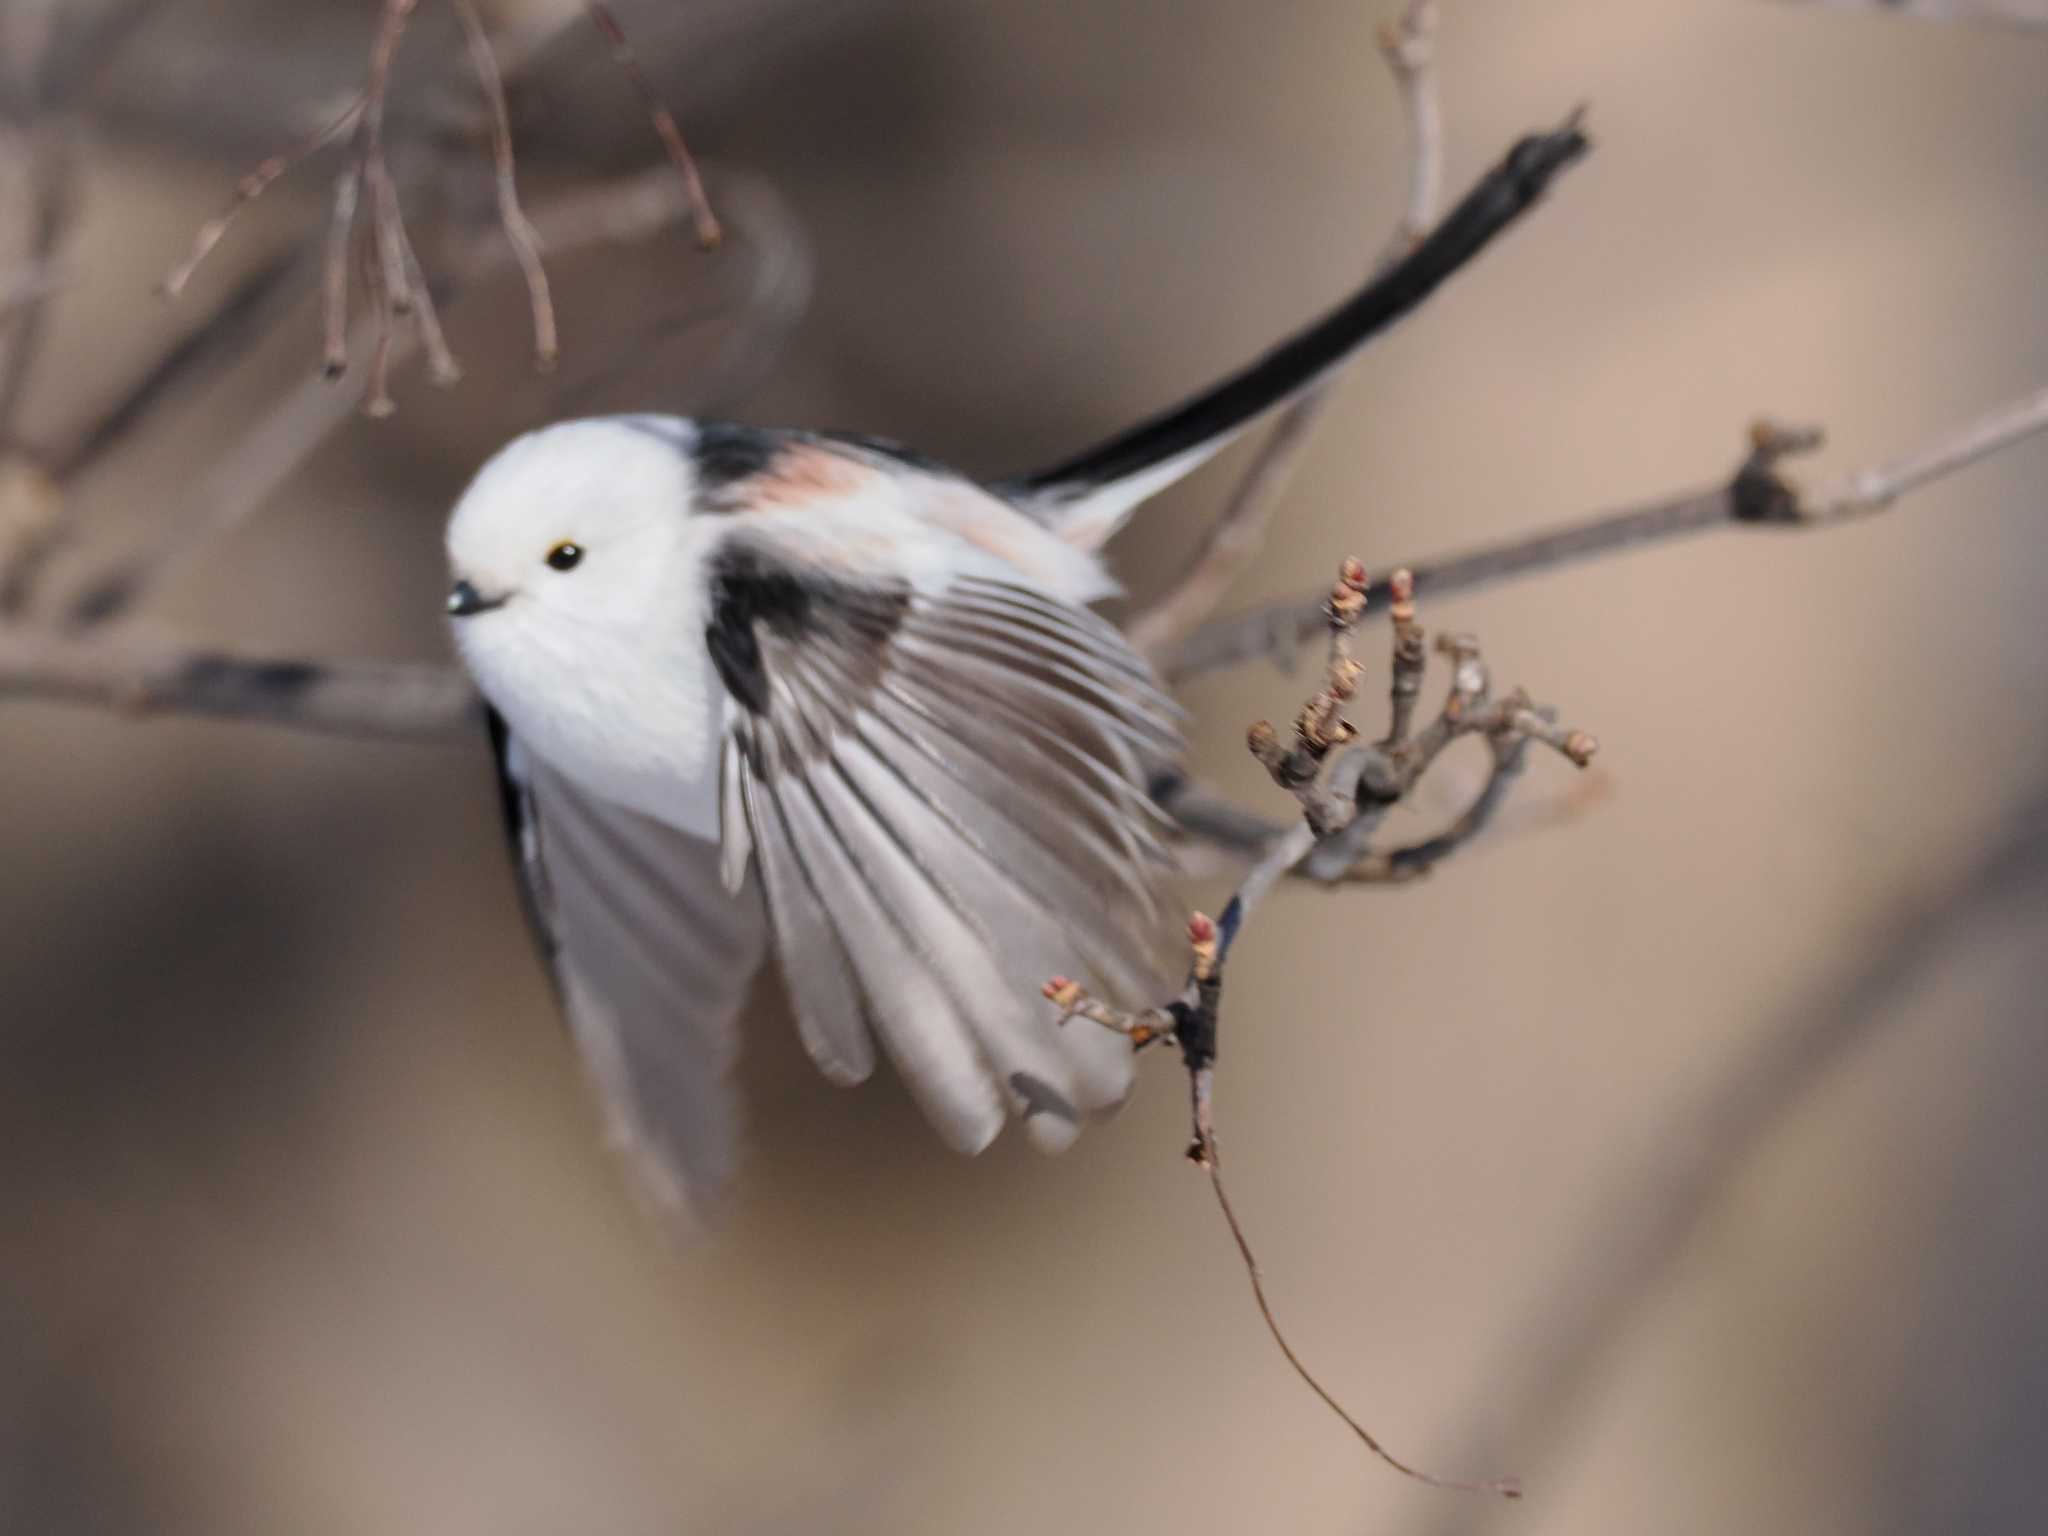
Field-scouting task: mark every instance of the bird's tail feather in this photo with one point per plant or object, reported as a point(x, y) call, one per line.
point(1087, 497)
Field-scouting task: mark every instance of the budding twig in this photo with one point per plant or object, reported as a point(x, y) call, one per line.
point(1190, 1021)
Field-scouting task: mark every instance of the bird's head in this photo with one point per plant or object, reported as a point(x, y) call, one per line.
point(566, 530)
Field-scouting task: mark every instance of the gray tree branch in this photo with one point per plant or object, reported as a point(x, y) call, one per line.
point(1759, 493)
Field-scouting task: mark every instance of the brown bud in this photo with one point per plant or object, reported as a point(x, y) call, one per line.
point(1580, 746)
point(1352, 574)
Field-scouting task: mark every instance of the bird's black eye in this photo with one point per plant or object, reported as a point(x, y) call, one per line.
point(565, 556)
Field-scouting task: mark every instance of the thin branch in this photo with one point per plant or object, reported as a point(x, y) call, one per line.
point(1409, 47)
point(133, 673)
point(443, 371)
point(251, 187)
point(241, 481)
point(1191, 1023)
point(1239, 532)
point(348, 189)
point(1343, 787)
point(706, 222)
point(1872, 490)
point(1757, 494)
point(52, 195)
point(1505, 1487)
point(519, 230)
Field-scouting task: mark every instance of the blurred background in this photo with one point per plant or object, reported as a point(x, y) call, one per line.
point(1677, 1148)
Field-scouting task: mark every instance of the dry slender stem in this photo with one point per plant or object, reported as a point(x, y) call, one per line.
point(1191, 1021)
point(1758, 494)
point(348, 187)
point(243, 479)
point(1506, 1487)
point(1237, 535)
point(1409, 47)
point(708, 231)
point(1872, 490)
point(135, 673)
point(519, 230)
point(251, 187)
point(443, 371)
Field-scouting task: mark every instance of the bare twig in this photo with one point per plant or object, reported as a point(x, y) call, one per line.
point(239, 483)
point(140, 674)
point(1235, 538)
point(348, 189)
point(1409, 47)
point(1505, 1487)
point(519, 230)
point(1872, 490)
point(396, 280)
point(708, 230)
point(1191, 1022)
point(1343, 786)
point(51, 199)
point(443, 371)
point(1759, 493)
point(251, 187)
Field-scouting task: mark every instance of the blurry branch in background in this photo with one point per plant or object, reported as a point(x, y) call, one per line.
point(133, 671)
point(1646, 1223)
point(1344, 786)
point(1234, 539)
point(1758, 494)
point(66, 657)
point(398, 285)
point(608, 213)
point(2023, 13)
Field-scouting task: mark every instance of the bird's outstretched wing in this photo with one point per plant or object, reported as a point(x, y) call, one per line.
point(943, 782)
point(653, 959)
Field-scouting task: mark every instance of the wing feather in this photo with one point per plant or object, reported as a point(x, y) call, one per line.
point(945, 785)
point(653, 958)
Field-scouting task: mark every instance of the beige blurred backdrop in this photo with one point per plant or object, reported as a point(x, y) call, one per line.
point(1680, 1148)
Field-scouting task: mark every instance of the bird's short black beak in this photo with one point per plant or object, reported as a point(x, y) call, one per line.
point(465, 602)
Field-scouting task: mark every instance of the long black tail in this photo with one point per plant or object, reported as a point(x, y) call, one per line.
point(1091, 493)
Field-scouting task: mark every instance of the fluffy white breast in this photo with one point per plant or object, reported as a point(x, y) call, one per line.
point(601, 669)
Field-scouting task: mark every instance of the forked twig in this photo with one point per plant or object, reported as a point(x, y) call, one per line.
point(395, 278)
point(1408, 44)
point(706, 222)
point(519, 230)
point(250, 188)
point(1190, 1021)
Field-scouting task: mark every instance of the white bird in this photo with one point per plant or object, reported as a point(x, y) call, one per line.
point(755, 688)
